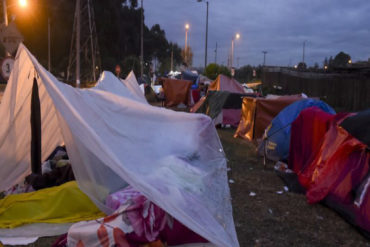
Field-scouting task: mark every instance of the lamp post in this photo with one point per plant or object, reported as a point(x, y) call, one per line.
point(187, 26)
point(206, 45)
point(303, 52)
point(22, 3)
point(237, 36)
point(142, 40)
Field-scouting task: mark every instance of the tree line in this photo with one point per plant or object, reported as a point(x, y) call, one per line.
point(118, 25)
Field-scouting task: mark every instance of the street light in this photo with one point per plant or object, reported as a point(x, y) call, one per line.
point(187, 26)
point(237, 36)
point(22, 3)
point(206, 45)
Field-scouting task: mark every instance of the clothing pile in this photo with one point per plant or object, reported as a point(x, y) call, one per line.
point(135, 222)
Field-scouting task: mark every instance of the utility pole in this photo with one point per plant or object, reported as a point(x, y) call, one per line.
point(49, 45)
point(142, 40)
point(78, 36)
point(171, 57)
point(216, 54)
point(84, 38)
point(304, 46)
point(264, 58)
point(205, 56)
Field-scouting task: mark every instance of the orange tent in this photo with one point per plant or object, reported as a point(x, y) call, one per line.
point(257, 114)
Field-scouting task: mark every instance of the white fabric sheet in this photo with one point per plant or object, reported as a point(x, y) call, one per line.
point(113, 139)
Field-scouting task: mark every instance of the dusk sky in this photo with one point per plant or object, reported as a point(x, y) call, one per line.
point(277, 26)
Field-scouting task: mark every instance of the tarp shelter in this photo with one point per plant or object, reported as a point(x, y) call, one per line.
point(224, 83)
point(222, 106)
point(223, 101)
point(113, 139)
point(176, 91)
point(332, 165)
point(190, 76)
point(275, 144)
point(257, 114)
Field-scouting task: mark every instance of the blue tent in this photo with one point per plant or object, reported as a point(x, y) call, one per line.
point(275, 144)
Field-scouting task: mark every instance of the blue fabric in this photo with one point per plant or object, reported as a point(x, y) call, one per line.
point(279, 132)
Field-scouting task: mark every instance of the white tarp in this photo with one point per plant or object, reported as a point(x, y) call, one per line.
point(133, 86)
point(113, 139)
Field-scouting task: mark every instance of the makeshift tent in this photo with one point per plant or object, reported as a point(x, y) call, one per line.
point(223, 101)
point(275, 144)
point(257, 114)
point(113, 139)
point(190, 76)
point(224, 83)
point(332, 165)
point(176, 92)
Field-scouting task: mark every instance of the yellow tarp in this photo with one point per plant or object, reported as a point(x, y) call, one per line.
point(60, 204)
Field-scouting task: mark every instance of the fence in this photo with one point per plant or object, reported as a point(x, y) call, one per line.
point(347, 92)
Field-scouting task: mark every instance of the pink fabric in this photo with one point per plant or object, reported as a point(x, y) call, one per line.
point(137, 222)
point(231, 116)
point(115, 200)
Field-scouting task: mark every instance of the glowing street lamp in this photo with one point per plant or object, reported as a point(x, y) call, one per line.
point(237, 36)
point(21, 3)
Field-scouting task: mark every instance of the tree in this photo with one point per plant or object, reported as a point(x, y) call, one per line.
point(316, 66)
point(118, 29)
point(213, 70)
point(341, 60)
point(330, 62)
point(302, 66)
point(325, 63)
point(244, 73)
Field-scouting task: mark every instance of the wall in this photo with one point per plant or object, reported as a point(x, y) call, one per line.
point(347, 91)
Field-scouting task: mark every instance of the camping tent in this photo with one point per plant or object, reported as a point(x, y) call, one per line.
point(224, 83)
point(257, 114)
point(223, 101)
point(332, 165)
point(113, 139)
point(275, 144)
point(222, 106)
point(176, 91)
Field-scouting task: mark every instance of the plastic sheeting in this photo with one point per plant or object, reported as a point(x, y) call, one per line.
point(175, 159)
